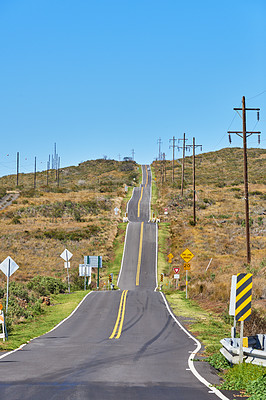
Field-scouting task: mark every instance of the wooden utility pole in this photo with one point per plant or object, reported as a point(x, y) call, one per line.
point(17, 166)
point(47, 174)
point(35, 173)
point(244, 134)
point(173, 164)
point(164, 168)
point(194, 178)
point(58, 169)
point(183, 163)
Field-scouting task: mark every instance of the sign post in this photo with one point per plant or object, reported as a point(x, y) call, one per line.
point(187, 256)
point(176, 276)
point(8, 267)
point(243, 305)
point(96, 262)
point(66, 255)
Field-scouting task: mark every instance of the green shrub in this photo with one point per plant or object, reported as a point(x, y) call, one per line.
point(218, 361)
point(240, 376)
point(46, 285)
point(257, 388)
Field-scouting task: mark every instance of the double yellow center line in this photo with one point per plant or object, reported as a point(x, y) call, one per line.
point(146, 175)
point(140, 253)
point(141, 194)
point(120, 317)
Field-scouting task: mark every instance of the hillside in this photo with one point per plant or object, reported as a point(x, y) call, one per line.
point(219, 235)
point(77, 214)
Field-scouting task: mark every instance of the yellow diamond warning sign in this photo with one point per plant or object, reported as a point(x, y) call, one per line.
point(187, 255)
point(170, 258)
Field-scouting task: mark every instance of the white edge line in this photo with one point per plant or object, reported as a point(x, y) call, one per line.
point(156, 259)
point(191, 357)
point(60, 323)
point(122, 262)
point(131, 198)
point(150, 192)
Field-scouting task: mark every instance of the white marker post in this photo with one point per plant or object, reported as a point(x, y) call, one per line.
point(232, 307)
point(8, 267)
point(66, 255)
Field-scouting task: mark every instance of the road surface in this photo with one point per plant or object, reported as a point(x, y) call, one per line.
point(120, 344)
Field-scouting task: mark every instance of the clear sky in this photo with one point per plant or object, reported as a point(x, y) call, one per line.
point(104, 77)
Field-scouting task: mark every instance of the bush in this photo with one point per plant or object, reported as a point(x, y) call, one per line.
point(241, 376)
point(218, 361)
point(46, 285)
point(257, 388)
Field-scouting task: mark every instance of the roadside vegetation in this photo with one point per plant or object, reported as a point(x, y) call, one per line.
point(218, 243)
point(36, 228)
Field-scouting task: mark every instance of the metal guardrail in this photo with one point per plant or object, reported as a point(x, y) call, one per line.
point(255, 353)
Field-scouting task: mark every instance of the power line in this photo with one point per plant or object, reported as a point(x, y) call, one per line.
point(245, 134)
point(257, 95)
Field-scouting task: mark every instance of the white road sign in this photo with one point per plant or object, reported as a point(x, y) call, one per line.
point(8, 266)
point(232, 306)
point(84, 270)
point(93, 261)
point(116, 210)
point(176, 276)
point(66, 255)
point(67, 264)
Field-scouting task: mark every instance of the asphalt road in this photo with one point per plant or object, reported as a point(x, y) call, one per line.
point(118, 344)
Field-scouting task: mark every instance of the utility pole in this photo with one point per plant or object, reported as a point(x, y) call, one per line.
point(35, 173)
point(133, 154)
point(17, 166)
point(159, 142)
point(244, 134)
point(183, 162)
point(47, 173)
point(173, 146)
point(194, 177)
point(164, 169)
point(58, 167)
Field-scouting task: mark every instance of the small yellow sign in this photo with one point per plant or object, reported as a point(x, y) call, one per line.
point(170, 256)
point(187, 267)
point(187, 255)
point(1, 306)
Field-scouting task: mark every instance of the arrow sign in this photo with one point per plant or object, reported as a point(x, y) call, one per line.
point(66, 255)
point(176, 270)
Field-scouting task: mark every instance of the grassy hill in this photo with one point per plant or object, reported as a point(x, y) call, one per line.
point(78, 214)
point(219, 235)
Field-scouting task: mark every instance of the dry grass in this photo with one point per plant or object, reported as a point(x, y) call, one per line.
point(220, 230)
point(37, 227)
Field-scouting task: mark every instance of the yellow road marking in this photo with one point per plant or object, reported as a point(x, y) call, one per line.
point(140, 253)
point(120, 317)
point(141, 194)
point(146, 175)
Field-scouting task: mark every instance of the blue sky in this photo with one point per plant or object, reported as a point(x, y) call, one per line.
point(105, 77)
